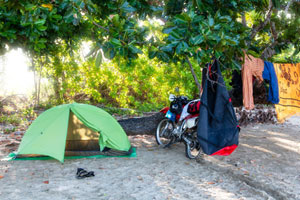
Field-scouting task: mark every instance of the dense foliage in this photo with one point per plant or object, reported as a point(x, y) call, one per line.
point(152, 45)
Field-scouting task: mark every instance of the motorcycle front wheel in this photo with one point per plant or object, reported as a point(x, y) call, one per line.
point(164, 135)
point(192, 148)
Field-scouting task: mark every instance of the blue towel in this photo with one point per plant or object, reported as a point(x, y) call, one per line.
point(270, 75)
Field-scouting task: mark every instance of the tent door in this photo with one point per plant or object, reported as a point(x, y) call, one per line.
point(80, 137)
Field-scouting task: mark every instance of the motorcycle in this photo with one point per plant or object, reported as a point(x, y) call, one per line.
point(179, 125)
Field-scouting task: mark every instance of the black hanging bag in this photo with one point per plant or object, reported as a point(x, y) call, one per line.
point(218, 130)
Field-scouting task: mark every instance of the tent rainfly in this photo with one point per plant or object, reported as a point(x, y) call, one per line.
point(64, 127)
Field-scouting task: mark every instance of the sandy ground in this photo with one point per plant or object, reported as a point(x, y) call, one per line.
point(266, 165)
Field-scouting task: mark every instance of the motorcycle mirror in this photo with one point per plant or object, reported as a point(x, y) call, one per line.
point(172, 97)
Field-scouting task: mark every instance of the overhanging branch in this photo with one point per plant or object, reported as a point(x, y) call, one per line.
point(99, 26)
point(258, 28)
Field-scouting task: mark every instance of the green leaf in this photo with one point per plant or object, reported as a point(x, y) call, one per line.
point(92, 51)
point(185, 46)
point(163, 56)
point(168, 48)
point(152, 54)
point(218, 54)
point(276, 3)
point(42, 28)
point(225, 19)
point(134, 50)
point(116, 42)
point(112, 54)
point(59, 17)
point(210, 21)
point(198, 18)
point(197, 40)
point(217, 27)
point(175, 34)
point(231, 41)
point(40, 22)
point(236, 64)
point(178, 48)
point(115, 20)
point(111, 5)
point(169, 29)
point(98, 59)
point(181, 19)
point(199, 4)
point(29, 7)
point(43, 40)
point(126, 7)
point(123, 52)
point(68, 17)
point(82, 4)
point(253, 53)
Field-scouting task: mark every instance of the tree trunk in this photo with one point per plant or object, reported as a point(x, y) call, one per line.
point(194, 76)
point(56, 87)
point(141, 125)
point(39, 84)
point(35, 82)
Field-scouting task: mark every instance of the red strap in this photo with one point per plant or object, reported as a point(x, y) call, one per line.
point(209, 70)
point(226, 151)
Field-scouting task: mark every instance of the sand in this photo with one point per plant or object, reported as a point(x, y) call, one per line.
point(266, 165)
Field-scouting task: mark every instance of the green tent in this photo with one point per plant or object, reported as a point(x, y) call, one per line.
point(66, 126)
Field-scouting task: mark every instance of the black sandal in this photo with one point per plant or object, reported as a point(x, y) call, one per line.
point(82, 173)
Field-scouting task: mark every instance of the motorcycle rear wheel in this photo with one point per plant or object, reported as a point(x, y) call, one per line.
point(193, 148)
point(164, 132)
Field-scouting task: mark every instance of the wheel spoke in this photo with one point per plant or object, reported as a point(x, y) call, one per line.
point(163, 131)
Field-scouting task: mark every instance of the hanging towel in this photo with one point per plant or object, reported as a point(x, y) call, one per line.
point(252, 67)
point(270, 75)
point(289, 90)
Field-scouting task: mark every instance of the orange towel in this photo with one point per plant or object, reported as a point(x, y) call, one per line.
point(288, 76)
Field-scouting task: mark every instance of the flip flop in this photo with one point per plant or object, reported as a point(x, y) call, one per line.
point(82, 173)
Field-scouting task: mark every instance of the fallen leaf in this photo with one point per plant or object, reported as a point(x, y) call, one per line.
point(1, 177)
point(187, 163)
point(46, 182)
point(210, 183)
point(150, 149)
point(246, 172)
point(101, 168)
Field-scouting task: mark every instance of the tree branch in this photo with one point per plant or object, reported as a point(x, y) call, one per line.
point(258, 28)
point(288, 6)
point(88, 15)
point(194, 75)
point(244, 22)
point(99, 26)
point(269, 50)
